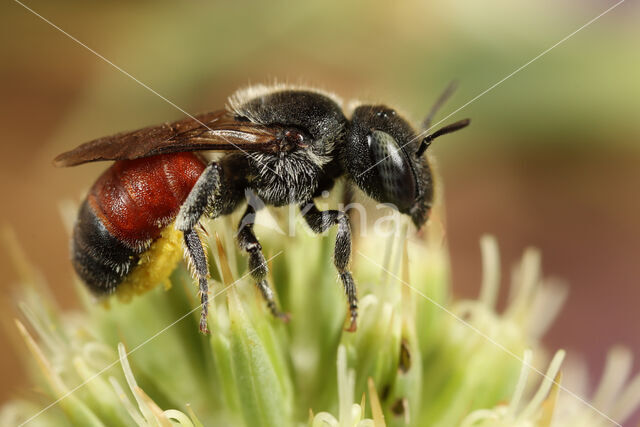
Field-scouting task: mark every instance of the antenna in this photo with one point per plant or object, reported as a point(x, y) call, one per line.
point(444, 96)
point(426, 142)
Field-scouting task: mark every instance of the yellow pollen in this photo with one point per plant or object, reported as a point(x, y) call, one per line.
point(155, 265)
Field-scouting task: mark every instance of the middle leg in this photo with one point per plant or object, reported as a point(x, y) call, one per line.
point(258, 268)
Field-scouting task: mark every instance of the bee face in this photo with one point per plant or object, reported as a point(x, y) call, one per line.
point(380, 156)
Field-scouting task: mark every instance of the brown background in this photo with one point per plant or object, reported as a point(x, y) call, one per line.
point(551, 160)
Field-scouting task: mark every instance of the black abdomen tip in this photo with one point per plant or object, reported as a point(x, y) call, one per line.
point(100, 259)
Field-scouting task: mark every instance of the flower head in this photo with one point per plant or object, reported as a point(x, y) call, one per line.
point(419, 357)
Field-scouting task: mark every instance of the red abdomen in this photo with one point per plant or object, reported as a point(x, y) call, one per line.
point(136, 199)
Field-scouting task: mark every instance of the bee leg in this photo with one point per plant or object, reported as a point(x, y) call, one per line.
point(198, 202)
point(319, 222)
point(200, 199)
point(257, 264)
point(198, 260)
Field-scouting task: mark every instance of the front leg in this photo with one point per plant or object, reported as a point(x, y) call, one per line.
point(320, 221)
point(257, 264)
point(198, 202)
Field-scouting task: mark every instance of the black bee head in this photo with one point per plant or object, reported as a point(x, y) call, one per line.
point(381, 158)
point(385, 158)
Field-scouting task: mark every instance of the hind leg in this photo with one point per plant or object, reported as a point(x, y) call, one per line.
point(198, 202)
point(198, 260)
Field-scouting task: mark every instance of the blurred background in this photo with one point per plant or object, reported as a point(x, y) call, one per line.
point(551, 159)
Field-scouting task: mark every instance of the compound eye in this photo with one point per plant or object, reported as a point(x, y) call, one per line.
point(393, 167)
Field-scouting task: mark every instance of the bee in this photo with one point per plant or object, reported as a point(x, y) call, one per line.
point(282, 145)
